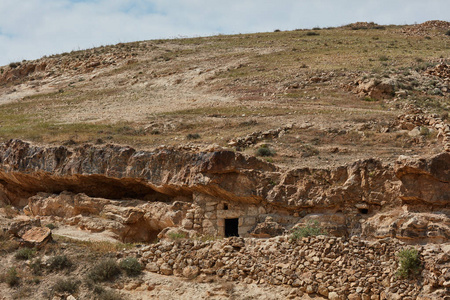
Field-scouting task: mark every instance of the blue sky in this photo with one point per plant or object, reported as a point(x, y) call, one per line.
point(30, 29)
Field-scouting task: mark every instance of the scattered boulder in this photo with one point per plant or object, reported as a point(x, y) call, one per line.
point(21, 224)
point(37, 237)
point(375, 89)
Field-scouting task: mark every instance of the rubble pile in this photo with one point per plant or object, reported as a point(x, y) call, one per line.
point(410, 122)
point(257, 136)
point(434, 27)
point(332, 267)
point(441, 70)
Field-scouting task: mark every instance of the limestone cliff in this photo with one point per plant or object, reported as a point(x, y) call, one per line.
point(408, 200)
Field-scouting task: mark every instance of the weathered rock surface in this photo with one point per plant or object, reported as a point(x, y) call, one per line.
point(129, 220)
point(37, 236)
point(199, 190)
point(268, 228)
point(433, 176)
point(375, 89)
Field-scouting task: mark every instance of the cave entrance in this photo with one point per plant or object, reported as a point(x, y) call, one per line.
point(231, 227)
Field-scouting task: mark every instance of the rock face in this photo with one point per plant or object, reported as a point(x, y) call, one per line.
point(128, 220)
point(217, 192)
point(434, 176)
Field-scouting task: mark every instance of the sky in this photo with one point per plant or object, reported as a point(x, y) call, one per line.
point(30, 29)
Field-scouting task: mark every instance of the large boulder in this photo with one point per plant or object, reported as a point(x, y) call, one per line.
point(36, 237)
point(376, 89)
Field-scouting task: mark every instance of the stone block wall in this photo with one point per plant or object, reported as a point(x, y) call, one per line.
point(208, 215)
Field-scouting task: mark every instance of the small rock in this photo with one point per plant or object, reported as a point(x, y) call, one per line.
point(191, 272)
point(333, 296)
point(166, 269)
point(152, 267)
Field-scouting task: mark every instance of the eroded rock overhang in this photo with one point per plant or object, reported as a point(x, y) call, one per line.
point(365, 197)
point(117, 172)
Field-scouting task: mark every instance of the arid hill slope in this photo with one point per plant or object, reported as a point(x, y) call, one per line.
point(342, 89)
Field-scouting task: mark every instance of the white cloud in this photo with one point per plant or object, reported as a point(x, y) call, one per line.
point(33, 28)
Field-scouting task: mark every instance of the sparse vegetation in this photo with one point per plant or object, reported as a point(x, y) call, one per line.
point(131, 266)
point(306, 78)
point(36, 266)
point(309, 150)
point(59, 262)
point(105, 294)
point(66, 285)
point(97, 246)
point(312, 228)
point(11, 277)
point(424, 131)
point(193, 136)
point(369, 99)
point(51, 226)
point(106, 270)
point(265, 151)
point(176, 235)
point(14, 65)
point(409, 263)
point(24, 254)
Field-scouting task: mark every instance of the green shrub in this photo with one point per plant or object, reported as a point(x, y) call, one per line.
point(311, 228)
point(424, 130)
point(51, 226)
point(131, 266)
point(102, 294)
point(193, 136)
point(14, 65)
point(36, 267)
point(104, 271)
point(311, 33)
point(447, 33)
point(176, 235)
point(69, 285)
point(383, 58)
point(59, 262)
point(11, 278)
point(265, 151)
point(409, 263)
point(24, 254)
point(369, 99)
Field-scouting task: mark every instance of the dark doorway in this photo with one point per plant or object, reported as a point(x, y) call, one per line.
point(231, 227)
point(364, 211)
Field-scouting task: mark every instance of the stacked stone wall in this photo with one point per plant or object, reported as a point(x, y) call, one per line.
point(329, 267)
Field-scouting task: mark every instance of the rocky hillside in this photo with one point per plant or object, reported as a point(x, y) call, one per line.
point(339, 90)
point(326, 151)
